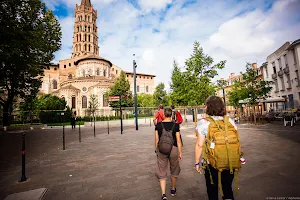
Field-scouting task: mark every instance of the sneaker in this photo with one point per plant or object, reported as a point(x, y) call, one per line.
point(173, 192)
point(164, 197)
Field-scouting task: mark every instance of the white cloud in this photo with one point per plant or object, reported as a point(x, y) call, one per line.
point(227, 30)
point(147, 5)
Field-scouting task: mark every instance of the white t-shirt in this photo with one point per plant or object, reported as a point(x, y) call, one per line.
point(202, 127)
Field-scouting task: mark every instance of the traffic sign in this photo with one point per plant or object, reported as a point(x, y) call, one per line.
point(114, 98)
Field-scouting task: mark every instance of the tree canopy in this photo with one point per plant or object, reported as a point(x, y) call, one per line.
point(160, 95)
point(121, 87)
point(30, 34)
point(145, 100)
point(194, 84)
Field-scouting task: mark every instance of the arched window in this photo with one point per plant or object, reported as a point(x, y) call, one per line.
point(84, 102)
point(84, 28)
point(76, 47)
point(78, 18)
point(54, 83)
point(137, 88)
point(88, 18)
point(104, 72)
point(79, 47)
point(98, 72)
point(85, 47)
point(89, 29)
point(70, 76)
point(105, 101)
point(79, 37)
point(89, 47)
point(83, 73)
point(147, 89)
point(77, 28)
point(84, 37)
point(73, 102)
point(85, 18)
point(89, 38)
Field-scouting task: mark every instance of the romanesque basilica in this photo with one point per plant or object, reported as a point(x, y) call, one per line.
point(86, 73)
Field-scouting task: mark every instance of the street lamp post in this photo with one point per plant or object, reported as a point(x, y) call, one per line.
point(222, 84)
point(135, 95)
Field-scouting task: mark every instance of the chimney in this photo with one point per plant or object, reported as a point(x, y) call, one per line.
point(254, 66)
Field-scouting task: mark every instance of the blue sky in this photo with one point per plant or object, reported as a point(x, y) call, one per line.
point(159, 31)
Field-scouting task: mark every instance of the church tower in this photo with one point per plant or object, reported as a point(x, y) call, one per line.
point(85, 39)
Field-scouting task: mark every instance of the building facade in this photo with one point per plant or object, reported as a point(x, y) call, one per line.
point(282, 67)
point(85, 72)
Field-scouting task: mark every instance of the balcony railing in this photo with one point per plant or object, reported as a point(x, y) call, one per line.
point(274, 76)
point(280, 73)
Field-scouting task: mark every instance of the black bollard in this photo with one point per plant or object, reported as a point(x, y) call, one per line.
point(79, 133)
point(23, 178)
point(64, 145)
point(94, 128)
point(108, 127)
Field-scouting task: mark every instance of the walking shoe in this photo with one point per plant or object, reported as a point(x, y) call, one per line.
point(173, 192)
point(164, 197)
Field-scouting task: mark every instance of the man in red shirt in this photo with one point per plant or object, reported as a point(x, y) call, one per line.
point(159, 115)
point(177, 118)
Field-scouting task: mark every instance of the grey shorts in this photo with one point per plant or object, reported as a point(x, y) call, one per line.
point(162, 164)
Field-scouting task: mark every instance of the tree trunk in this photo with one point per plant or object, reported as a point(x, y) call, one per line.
point(254, 115)
point(5, 114)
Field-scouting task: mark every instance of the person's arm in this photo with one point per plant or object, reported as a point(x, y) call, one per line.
point(198, 150)
point(154, 118)
point(156, 139)
point(179, 145)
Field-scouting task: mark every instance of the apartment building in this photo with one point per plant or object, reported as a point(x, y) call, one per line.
point(282, 67)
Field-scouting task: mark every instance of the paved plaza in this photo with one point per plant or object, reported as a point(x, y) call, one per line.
point(116, 166)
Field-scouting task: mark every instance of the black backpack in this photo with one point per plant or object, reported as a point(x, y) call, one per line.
point(166, 140)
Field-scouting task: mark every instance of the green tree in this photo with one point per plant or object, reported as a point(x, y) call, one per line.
point(50, 102)
point(160, 95)
point(194, 85)
point(145, 100)
point(121, 88)
point(93, 104)
point(252, 88)
point(237, 93)
point(30, 34)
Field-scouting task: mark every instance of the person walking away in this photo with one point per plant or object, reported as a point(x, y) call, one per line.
point(159, 115)
point(73, 120)
point(215, 135)
point(177, 118)
point(168, 150)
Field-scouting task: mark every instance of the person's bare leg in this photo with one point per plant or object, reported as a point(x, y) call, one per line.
point(163, 183)
point(174, 182)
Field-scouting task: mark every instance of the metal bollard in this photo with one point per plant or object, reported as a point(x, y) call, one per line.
point(23, 178)
point(79, 133)
point(64, 145)
point(94, 128)
point(108, 127)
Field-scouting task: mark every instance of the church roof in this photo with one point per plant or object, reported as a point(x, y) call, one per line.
point(69, 87)
point(86, 3)
point(92, 57)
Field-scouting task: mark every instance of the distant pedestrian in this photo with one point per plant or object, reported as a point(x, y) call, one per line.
point(169, 150)
point(218, 145)
point(159, 115)
point(73, 120)
point(177, 118)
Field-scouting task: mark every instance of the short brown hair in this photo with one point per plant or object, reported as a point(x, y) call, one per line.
point(168, 112)
point(160, 106)
point(215, 106)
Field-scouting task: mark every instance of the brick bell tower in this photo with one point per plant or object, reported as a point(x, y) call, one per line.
point(85, 39)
